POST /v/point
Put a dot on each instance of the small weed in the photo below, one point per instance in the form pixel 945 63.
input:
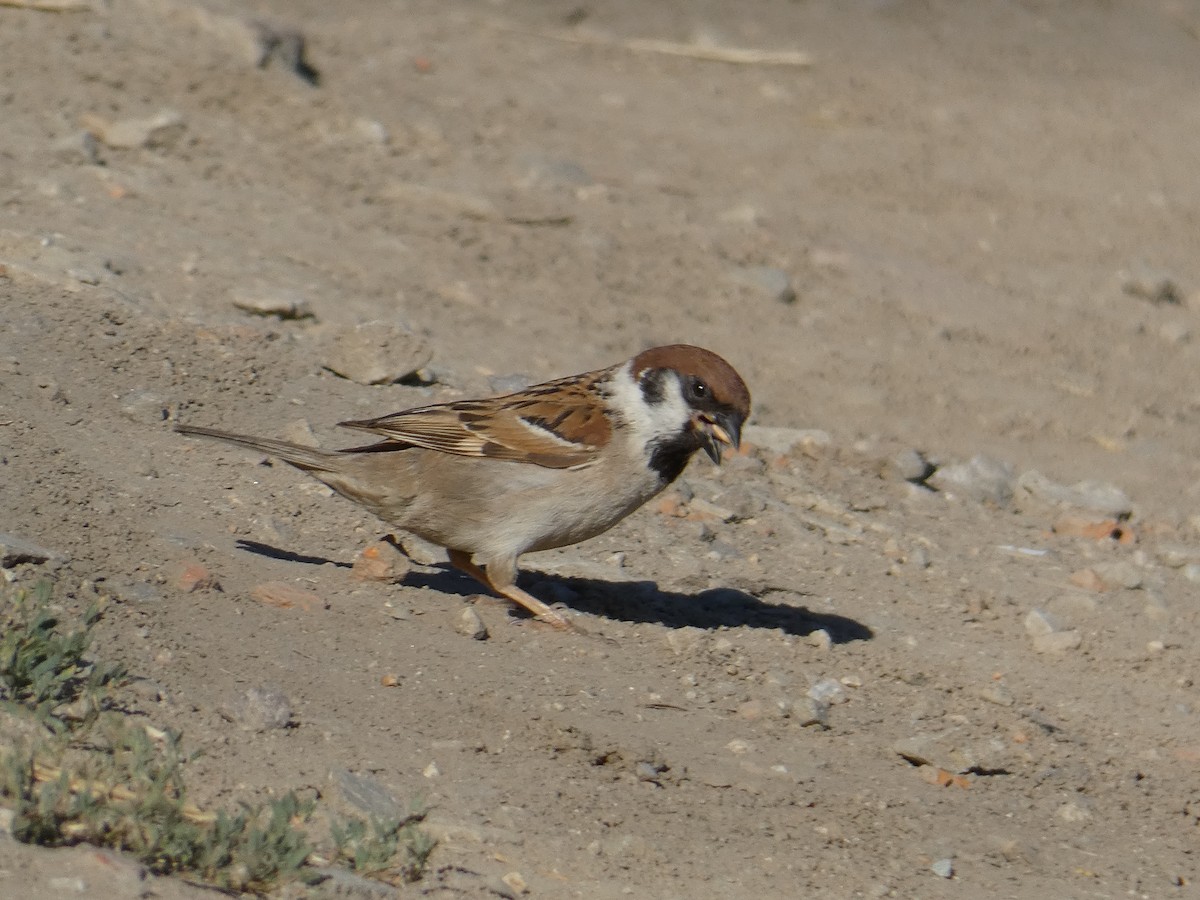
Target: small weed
pixel 95 777
pixel 384 847
pixel 43 669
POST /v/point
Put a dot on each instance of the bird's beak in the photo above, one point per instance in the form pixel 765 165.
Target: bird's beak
pixel 717 429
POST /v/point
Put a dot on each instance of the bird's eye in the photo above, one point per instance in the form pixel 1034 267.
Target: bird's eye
pixel 699 390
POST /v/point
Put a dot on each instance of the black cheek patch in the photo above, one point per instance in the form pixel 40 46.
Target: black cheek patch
pixel 653 386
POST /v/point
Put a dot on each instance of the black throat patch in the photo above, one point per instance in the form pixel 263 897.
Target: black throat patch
pixel 669 457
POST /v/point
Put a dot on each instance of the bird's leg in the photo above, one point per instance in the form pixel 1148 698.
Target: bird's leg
pixel 503 582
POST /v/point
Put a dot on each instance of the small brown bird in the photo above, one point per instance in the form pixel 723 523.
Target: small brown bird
pixel 552 465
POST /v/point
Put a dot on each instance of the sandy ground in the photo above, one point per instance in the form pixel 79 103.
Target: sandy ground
pixel 804 675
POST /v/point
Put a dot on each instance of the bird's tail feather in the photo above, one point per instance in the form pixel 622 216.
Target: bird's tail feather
pixel 308 459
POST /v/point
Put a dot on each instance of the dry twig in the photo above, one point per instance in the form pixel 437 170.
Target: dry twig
pixel 746 56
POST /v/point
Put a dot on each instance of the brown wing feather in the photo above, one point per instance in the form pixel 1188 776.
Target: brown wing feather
pixel 558 425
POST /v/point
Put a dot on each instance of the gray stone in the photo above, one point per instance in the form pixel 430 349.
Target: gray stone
pixel 424 197
pixel 298 431
pixel 1091 495
pixel 80 148
pixel 1175 332
pixel 997 693
pixel 943 868
pixel 1155 285
pixel 158 131
pixel 267 301
pixel 953 751
pixel 649 771
pixel 983 479
pixel 337 882
pixel 1039 622
pixel 143 407
pixel 135 592
pixel 819 638
pixel 1072 606
pixel 1176 556
pixel 1119 573
pixel 367 795
pixel 261 709
pixel 377 353
pixel 785 440
pixel 775 284
pixel 421 551
pixel 744 501
pixel 16 550
pixel 829 692
pixel 911 465
pixel 540 170
pixel 811 713
pixel 509 384
pixel 706 509
pixel 1057 641
pixel 468 623
pixel 1156 609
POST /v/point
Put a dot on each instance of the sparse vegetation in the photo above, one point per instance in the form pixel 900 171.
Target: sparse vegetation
pixel 43 669
pixel 85 773
pixel 383 847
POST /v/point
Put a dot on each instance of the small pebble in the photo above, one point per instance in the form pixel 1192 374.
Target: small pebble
pixel 811 713
pixel 783 441
pixel 647 771
pixel 1155 285
pixel 774 284
pixel 80 148
pixel 911 465
pixel 1039 622
pixel 367 795
pixel 469 624
pixel 15 550
pixel 820 638
pixel 509 384
pixel 377 353
pixel 943 868
pixel 381 561
pixel 158 131
pixel 996 693
pixel 266 301
pixel 261 709
pixel 1097 496
pixel 193 576
pixel 282 595
pixel 828 692
pixel 516 882
pixel 1119 574
pixel 1057 642
pixel 983 479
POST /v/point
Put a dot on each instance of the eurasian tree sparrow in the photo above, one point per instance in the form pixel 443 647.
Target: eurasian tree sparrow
pixel 552 465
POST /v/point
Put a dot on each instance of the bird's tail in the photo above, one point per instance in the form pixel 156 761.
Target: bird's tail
pixel 307 459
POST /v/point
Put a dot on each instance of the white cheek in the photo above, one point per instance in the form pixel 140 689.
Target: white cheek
pixel 647 422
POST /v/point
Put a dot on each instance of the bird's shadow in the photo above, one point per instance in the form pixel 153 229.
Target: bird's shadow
pixel 632 601
pixel 645 602
pixel 287 555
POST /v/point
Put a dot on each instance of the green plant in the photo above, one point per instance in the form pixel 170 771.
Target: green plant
pixel 384 847
pixel 43 669
pixel 99 777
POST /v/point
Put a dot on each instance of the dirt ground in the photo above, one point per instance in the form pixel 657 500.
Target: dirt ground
pixel 967 230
